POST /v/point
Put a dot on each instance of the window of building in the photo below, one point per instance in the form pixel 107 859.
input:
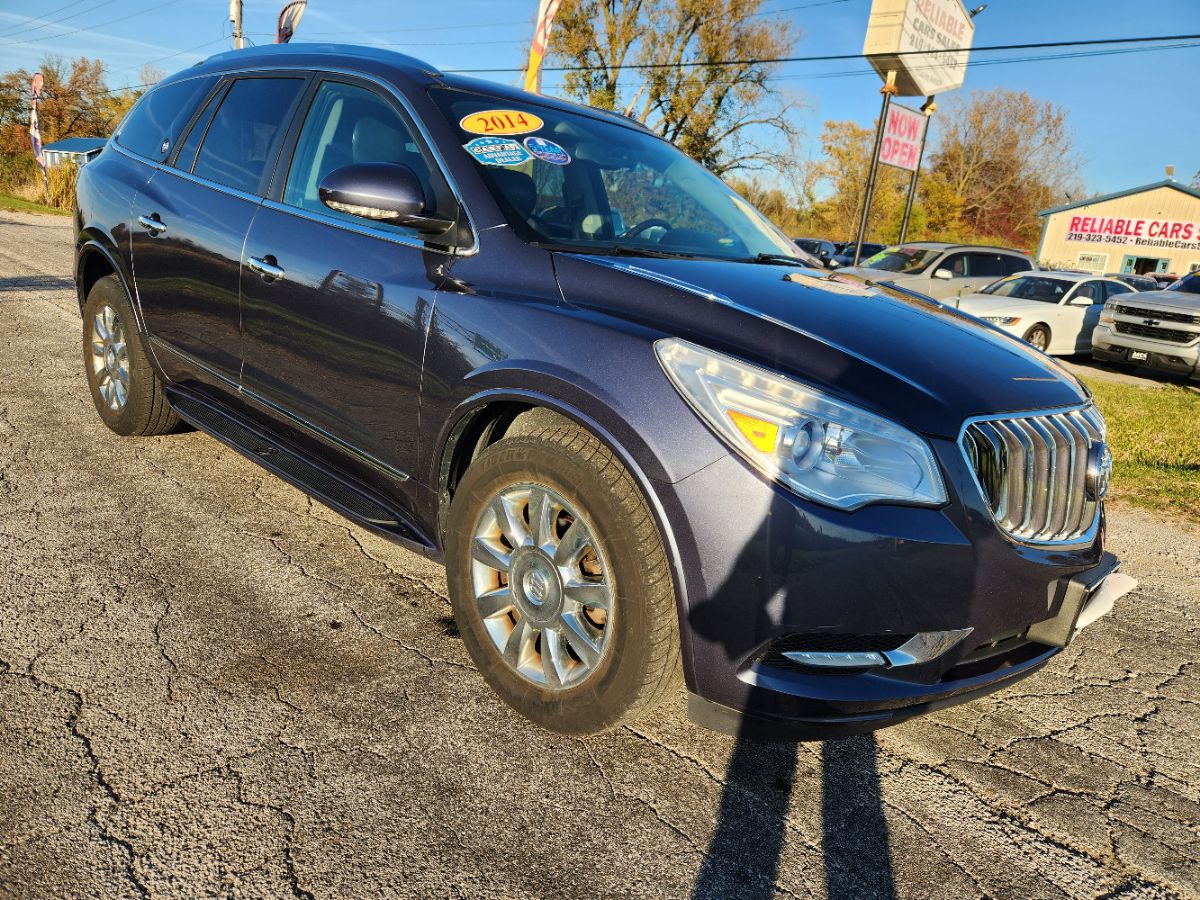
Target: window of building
pixel 1093 262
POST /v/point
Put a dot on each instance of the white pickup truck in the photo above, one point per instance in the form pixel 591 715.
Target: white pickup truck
pixel 1156 329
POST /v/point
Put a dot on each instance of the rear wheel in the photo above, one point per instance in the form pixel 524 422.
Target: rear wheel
pixel 1039 336
pixel 125 388
pixel 559 581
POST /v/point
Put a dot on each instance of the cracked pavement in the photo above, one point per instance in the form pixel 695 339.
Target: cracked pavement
pixel 212 686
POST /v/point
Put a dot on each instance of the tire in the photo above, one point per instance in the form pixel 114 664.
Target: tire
pixel 1039 337
pixel 135 404
pixel 582 482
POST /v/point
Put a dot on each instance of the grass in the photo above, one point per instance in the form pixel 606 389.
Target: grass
pixel 7 201
pixel 1154 433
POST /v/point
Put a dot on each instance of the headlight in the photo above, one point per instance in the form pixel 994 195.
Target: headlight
pixel 1106 314
pixel 820 447
pixel 1002 320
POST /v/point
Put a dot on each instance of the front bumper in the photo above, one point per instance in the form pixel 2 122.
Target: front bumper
pixel 760 565
pixel 1181 359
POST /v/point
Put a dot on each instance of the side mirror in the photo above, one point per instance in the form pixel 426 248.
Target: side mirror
pixel 1081 301
pixel 944 274
pixel 833 263
pixel 383 192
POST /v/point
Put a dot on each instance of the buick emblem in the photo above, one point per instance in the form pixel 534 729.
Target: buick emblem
pixel 1099 471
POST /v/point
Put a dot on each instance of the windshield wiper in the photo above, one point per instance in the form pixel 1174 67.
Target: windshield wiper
pixel 776 259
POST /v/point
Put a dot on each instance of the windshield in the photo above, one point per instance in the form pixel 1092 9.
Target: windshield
pixel 1189 284
pixel 907 260
pixel 1030 287
pixel 569 181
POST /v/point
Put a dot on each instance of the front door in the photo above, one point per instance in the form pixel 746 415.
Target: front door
pixel 190 226
pixel 336 307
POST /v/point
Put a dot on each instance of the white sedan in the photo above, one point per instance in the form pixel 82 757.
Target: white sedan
pixel 1054 311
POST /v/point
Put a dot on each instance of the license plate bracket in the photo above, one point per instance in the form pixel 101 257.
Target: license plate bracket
pixel 1138 356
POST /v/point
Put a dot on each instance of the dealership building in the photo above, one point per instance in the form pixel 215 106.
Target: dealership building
pixel 1150 229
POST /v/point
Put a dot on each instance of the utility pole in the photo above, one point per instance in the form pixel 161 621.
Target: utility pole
pixel 235 16
pixel 929 108
pixel 888 89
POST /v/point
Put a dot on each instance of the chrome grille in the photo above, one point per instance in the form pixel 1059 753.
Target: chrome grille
pixel 1161 334
pixel 1033 472
pixel 1163 315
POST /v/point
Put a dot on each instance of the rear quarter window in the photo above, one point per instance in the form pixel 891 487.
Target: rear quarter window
pixel 1016 264
pixel 154 124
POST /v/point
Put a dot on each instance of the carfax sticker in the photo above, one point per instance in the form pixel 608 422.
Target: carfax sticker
pixel 500 121
pixel 497 151
pixel 547 151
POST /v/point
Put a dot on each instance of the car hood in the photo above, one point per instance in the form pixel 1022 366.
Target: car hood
pixel 903 356
pixel 1178 300
pixel 990 305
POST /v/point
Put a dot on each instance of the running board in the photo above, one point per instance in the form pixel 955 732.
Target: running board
pixel 349 499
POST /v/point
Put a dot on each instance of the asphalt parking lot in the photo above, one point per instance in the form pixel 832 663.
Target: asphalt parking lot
pixel 212 686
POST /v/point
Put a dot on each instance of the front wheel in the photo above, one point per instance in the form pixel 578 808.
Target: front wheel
pixel 560 583
pixel 1039 336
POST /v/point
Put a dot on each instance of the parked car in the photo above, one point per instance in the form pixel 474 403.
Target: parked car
pixel 1053 311
pixel 845 254
pixel 1137 282
pixel 1156 329
pixel 944 271
pixel 1165 278
pixel 818 247
pixel 636 449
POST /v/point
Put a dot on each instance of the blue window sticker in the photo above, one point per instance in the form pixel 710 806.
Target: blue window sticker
pixel 547 151
pixel 497 151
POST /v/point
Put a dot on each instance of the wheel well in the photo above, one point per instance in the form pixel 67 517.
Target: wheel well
pixel 95 266
pixel 476 433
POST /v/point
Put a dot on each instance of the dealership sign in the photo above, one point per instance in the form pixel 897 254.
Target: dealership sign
pixel 901 145
pixel 936 34
pixel 1143 232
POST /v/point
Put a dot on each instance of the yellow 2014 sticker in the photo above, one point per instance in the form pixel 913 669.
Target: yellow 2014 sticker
pixel 500 121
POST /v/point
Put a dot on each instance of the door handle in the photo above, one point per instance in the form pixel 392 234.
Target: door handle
pixel 266 267
pixel 152 224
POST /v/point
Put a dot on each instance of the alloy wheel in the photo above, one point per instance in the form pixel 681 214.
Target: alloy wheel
pixel 110 358
pixel 541 586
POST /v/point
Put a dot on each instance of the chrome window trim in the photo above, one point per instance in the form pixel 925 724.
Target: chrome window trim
pixel 1083 539
pixel 317 217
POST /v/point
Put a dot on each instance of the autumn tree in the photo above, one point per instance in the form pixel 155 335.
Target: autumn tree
pixel 76 102
pixel 998 157
pixel 842 170
pixel 662 62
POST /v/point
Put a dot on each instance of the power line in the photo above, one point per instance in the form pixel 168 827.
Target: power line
pixel 19 32
pixel 19 25
pixel 140 12
pixel 846 56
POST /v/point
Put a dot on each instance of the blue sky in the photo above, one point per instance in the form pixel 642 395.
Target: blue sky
pixel 1131 112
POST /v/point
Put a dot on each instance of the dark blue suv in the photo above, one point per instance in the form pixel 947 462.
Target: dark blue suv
pixel 536 341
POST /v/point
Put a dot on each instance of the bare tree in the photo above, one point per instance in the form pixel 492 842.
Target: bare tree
pixel 729 117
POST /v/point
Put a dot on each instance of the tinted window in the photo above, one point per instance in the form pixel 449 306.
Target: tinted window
pixel 160 116
pixel 1112 289
pixel 1045 289
pixel 245 131
pixel 187 150
pixel 1016 263
pixel 986 265
pixel 345 125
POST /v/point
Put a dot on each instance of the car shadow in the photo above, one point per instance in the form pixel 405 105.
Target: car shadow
pixel 750 836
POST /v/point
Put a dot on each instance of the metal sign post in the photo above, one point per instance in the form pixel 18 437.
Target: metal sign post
pixel 888 89
pixel 929 107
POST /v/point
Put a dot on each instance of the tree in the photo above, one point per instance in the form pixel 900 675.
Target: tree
pixel 729 117
pixel 999 157
pixel 844 167
pixel 76 103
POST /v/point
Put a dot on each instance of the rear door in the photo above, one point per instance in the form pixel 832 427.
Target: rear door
pixel 191 222
pixel 335 337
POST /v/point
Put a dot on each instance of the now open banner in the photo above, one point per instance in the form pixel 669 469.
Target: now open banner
pixel 902 138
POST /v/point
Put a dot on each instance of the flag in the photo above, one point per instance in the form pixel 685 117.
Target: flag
pixel 35 129
pixel 541 38
pixel 289 18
